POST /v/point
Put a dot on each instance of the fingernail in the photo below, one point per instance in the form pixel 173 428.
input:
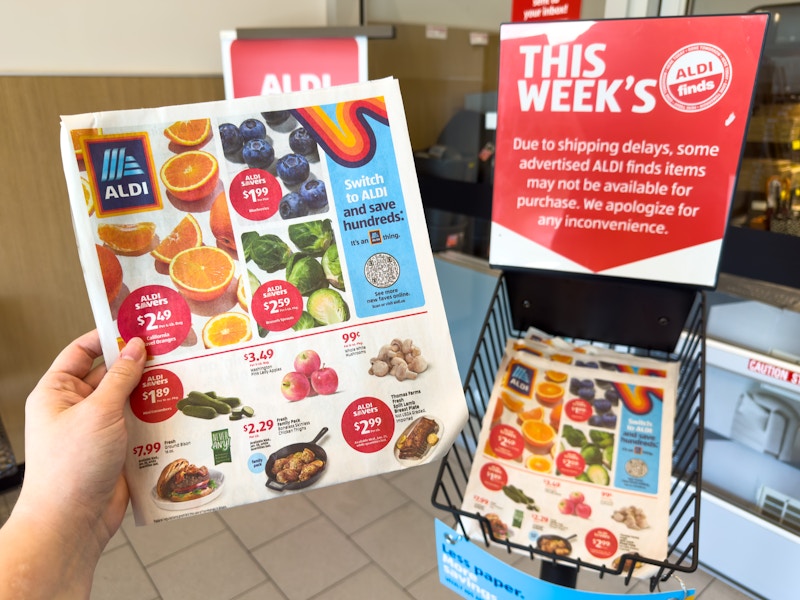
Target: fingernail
pixel 133 350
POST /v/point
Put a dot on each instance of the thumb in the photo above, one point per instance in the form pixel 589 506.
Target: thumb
pixel 124 374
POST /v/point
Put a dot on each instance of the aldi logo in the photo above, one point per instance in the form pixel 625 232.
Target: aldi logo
pixel 520 378
pixel 122 174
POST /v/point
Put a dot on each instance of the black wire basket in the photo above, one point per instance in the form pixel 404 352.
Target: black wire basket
pixel 650 320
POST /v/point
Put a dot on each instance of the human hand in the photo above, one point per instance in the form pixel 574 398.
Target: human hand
pixel 75 443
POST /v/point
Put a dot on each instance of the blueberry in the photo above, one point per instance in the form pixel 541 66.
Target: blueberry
pixel 596 421
pixel 253 129
pixel 587 393
pixel 314 194
pixel 292 206
pixel 612 396
pixel 275 117
pixel 602 405
pixel 609 420
pixel 292 168
pixel 301 142
pixel 231 139
pixel 258 154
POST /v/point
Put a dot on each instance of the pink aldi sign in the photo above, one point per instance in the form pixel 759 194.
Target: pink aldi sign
pixel 618 144
pixel 545 10
pixel 257 67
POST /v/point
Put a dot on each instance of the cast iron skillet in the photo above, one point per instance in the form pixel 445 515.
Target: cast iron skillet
pixel 273 484
pixel 566 541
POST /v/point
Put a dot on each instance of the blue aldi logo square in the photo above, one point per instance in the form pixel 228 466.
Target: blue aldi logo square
pixel 121 171
pixel 520 378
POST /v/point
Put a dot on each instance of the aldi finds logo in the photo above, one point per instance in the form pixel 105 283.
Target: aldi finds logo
pixel 520 379
pixel 122 174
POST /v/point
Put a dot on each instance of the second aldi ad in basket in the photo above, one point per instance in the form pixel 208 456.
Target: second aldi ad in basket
pixel 574 454
pixel 272 253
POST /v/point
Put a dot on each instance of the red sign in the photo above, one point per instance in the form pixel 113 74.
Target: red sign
pixel 618 143
pixel 278 66
pixel 545 10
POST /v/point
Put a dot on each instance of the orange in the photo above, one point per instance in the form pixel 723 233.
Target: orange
pixel 511 403
pixel 241 293
pixel 77 135
pixel 538 434
pixel 498 411
pixel 202 273
pixel 111 270
pixel 220 221
pixel 130 239
pixel 534 414
pixel 540 464
pixel 191 175
pixel 187 234
pixel 189 133
pixel 555 415
pixel 225 329
pixel 562 358
pixel 549 393
pixel 87 195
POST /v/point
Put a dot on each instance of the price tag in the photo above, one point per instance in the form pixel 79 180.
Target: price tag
pixel 368 424
pixel 255 194
pixel 147 449
pixel 157 314
pixel 257 427
pixel 277 305
pixel 155 398
pixel 259 356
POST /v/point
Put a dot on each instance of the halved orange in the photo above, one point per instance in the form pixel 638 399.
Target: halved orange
pixel 191 175
pixel 187 234
pixel 202 273
pixel 538 434
pixel 225 329
pixel 540 464
pixel 498 411
pixel 130 239
pixel 241 293
pixel 189 133
pixel 549 393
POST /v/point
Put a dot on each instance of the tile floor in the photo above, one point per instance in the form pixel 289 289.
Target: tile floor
pixel 368 539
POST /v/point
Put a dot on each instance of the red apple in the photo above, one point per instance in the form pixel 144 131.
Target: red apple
pixel 307 362
pixel 324 380
pixel 583 510
pixel 577 497
pixel 295 386
pixel 566 507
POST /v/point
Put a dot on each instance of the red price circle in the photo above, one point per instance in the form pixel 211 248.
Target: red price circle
pixel 367 425
pixel 157 314
pixel 255 194
pixel 506 442
pixel 570 463
pixel 578 410
pixel 601 543
pixel 155 398
pixel 277 305
pixel 493 477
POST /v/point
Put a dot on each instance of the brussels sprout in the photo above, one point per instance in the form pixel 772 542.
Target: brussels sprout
pixel 328 307
pixel 598 474
pixel 575 437
pixel 332 267
pixel 305 273
pixel 592 454
pixel 603 439
pixel 312 237
pixel 268 252
pixel 306 321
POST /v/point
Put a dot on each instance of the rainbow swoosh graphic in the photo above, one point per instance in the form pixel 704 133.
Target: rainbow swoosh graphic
pixel 348 139
pixel 634 370
pixel 638 399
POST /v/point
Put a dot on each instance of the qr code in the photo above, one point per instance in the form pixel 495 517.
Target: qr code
pixel 382 270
